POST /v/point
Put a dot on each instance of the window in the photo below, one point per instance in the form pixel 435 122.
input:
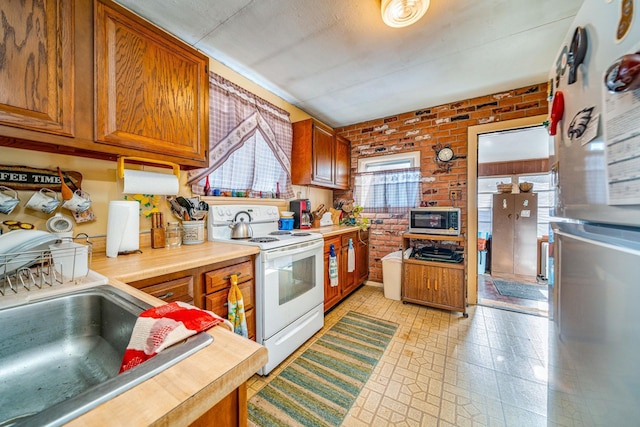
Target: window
pixel 546 196
pixel 541 185
pixel 388 183
pixel 486 190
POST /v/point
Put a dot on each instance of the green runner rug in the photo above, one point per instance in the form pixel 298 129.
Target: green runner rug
pixel 319 387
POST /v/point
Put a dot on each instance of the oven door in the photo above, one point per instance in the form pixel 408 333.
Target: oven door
pixel 293 284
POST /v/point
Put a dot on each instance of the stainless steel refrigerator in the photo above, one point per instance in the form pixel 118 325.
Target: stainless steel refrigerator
pixel 594 333
pixel 514 232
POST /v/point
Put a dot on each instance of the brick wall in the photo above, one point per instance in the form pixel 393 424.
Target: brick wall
pixel 422 130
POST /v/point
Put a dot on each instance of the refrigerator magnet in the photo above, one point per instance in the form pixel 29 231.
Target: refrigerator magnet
pixel 577 53
pixel 557 112
pixel 584 126
pixel 626 16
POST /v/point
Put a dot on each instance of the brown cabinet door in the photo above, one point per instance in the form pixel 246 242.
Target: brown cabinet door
pixel 323 156
pixel 217 301
pixel 342 163
pixel 348 282
pixel 448 287
pixel 331 293
pixel 362 256
pixel 415 285
pixel 151 89
pixel 37 66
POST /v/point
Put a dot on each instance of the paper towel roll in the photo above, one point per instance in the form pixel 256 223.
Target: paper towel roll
pixel 123 227
pixel 141 182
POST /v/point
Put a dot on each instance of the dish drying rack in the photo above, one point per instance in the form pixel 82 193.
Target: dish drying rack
pixel 40 270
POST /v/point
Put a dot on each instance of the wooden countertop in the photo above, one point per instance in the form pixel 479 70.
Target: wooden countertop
pixel 156 262
pixel 180 394
pixel 183 392
pixel 334 230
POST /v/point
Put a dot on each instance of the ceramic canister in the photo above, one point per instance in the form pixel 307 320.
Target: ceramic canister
pixel 192 232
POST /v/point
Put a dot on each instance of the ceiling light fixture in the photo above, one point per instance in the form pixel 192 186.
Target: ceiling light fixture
pixel 402 13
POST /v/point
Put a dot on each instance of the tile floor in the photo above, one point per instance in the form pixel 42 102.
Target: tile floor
pixel 441 369
pixel 488 295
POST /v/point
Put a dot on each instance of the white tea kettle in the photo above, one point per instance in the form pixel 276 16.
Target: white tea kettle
pixel 241 229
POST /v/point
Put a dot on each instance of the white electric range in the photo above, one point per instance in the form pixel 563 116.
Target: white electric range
pixel 289 277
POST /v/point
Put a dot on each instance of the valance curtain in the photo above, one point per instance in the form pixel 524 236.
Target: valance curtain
pixel 250 143
pixel 391 191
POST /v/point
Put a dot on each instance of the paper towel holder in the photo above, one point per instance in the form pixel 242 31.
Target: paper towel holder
pixel 121 159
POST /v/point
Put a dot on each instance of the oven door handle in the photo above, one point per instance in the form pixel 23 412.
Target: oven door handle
pixel 288 251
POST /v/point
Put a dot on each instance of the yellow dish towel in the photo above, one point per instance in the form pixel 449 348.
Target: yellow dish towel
pixel 236 308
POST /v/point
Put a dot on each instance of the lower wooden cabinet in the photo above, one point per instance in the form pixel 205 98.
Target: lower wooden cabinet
pixel 230 411
pixel 441 287
pixel 435 284
pixel 331 293
pixel 208 287
pixel 171 287
pixel 348 281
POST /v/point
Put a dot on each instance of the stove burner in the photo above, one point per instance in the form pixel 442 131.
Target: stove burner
pixel 263 240
pixel 279 233
pixel 301 234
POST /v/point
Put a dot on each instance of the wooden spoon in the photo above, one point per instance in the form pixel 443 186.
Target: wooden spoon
pixel 67 194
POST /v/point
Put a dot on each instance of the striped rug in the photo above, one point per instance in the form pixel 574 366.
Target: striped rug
pixel 319 387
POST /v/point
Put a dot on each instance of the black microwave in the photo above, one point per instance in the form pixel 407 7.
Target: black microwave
pixel 435 220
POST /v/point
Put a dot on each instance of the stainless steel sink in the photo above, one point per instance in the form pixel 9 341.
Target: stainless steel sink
pixel 60 356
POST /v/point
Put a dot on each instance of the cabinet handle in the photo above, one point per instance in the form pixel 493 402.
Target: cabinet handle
pixel 226 304
pixel 229 276
pixel 428 284
pixel 167 295
pixel 435 285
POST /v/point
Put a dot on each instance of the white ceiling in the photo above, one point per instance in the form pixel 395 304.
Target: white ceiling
pixel 337 61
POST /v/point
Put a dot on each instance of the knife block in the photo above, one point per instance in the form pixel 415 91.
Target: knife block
pixel 157 238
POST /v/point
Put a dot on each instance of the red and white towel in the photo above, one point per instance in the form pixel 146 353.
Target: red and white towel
pixel 160 327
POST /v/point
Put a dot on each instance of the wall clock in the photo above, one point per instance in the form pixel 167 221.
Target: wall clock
pixel 444 156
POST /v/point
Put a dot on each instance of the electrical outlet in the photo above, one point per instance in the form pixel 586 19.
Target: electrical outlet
pixel 455 194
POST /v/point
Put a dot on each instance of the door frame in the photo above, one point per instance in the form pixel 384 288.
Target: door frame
pixel 472 191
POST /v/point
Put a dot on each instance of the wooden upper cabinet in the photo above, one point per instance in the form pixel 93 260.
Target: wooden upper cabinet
pixel 319 158
pixel 343 162
pixel 322 154
pixel 37 66
pixel 151 89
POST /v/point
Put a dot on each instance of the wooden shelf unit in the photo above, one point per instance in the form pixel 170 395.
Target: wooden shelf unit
pixel 431 283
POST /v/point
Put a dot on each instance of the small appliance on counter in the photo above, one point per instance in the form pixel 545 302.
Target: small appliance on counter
pixel 301 209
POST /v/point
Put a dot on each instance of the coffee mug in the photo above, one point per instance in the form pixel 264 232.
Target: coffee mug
pixel 43 203
pixel 79 202
pixel 285 224
pixel 7 202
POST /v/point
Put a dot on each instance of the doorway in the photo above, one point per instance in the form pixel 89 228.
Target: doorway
pixel 515 196
pixel 494 158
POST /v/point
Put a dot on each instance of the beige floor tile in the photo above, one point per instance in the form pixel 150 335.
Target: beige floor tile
pixel 442 369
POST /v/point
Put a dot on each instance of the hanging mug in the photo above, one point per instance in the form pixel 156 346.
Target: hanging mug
pixel 79 202
pixel 40 201
pixel 8 202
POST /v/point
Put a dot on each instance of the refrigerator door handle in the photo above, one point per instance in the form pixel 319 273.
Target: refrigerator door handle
pixel 618 247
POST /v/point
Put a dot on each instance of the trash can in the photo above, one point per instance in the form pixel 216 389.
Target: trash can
pixel 391 274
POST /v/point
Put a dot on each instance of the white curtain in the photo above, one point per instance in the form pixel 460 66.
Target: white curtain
pixel 249 143
pixel 388 191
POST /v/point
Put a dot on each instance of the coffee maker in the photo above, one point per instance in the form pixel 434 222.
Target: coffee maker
pixel 301 209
